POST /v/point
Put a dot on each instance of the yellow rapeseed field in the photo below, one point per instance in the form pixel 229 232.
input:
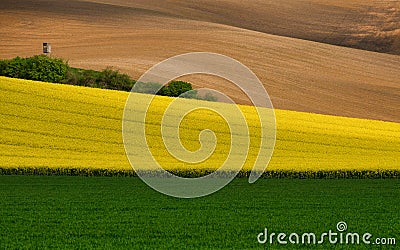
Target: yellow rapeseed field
pixel 56 126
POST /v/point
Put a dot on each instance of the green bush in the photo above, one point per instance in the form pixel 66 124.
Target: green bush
pixel 106 79
pixel 175 88
pixel 16 68
pixel 3 66
pixel 39 68
pixel 110 79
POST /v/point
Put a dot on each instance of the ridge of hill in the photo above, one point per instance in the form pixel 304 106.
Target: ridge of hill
pixel 363 24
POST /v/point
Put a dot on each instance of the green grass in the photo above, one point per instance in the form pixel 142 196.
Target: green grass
pixel 122 212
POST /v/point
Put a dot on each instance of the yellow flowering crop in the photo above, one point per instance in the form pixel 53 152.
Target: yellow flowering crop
pixel 54 125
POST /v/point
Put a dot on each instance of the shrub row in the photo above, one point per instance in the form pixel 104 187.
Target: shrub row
pixel 337 174
pixel 106 79
pixel 55 70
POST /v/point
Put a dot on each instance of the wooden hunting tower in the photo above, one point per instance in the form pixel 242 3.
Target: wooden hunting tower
pixel 46 48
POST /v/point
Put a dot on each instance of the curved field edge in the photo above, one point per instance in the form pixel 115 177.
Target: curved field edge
pixel 67 127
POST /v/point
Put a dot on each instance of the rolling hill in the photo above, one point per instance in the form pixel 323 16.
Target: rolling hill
pixel 58 126
pixel 364 24
pixel 299 74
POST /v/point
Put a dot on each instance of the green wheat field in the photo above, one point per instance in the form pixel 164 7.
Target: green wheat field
pixel 69 212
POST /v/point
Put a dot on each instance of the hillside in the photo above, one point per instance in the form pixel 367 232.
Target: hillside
pixel 47 125
pixel 363 24
pixel 299 75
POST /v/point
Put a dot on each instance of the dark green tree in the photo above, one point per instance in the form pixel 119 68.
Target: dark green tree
pixel 175 88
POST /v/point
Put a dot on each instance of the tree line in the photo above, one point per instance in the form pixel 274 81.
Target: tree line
pixel 56 70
